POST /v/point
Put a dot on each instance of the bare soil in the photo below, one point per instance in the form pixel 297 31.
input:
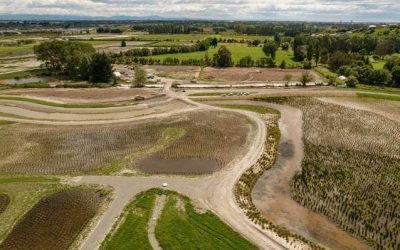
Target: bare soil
pixel 152 165
pixel 251 74
pixel 84 95
pixel 177 72
pixel 4 201
pixel 55 221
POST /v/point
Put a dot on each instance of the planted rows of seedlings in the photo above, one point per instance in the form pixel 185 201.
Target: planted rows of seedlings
pixel 70 149
pixel 246 183
pixel 209 138
pixel 351 170
pixel 55 221
pixel 85 149
pixel 4 201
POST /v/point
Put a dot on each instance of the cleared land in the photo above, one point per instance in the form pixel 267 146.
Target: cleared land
pixel 83 149
pixel 176 72
pixel 180 226
pixel 23 193
pixel 84 95
pixel 206 146
pixel 23 110
pixel 350 171
pixel 55 221
pixel 4 201
pixel 250 74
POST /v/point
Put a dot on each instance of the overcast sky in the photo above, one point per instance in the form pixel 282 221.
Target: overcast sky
pixel 308 10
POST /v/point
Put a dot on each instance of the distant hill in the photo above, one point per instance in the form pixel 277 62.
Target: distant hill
pixel 33 17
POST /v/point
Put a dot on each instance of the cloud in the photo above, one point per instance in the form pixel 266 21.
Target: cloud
pixel 307 10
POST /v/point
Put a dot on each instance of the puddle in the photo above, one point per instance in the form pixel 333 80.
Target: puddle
pixel 152 165
pixel 27 80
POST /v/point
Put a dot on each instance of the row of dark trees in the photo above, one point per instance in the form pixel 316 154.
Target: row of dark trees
pixel 168 28
pixel 75 60
pixel 202 45
pixel 109 30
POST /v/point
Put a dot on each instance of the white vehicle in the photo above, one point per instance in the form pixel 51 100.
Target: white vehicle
pixel 165 184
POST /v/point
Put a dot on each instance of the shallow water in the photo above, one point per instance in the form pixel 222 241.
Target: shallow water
pixel 27 80
pixel 153 165
pixel 272 196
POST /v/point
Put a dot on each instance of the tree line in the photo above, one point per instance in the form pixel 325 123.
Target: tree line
pixel 75 60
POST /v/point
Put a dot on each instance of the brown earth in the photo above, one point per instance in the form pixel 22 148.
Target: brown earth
pixel 55 221
pixel 4 201
pixel 177 72
pixel 251 74
pixel 84 95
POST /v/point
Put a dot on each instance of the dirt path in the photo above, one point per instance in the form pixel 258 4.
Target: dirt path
pixel 159 205
pixel 272 196
pixel 214 192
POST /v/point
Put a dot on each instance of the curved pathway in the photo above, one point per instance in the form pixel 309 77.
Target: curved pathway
pixel 214 192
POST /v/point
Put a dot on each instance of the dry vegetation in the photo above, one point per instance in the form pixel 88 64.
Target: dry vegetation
pixel 209 143
pixel 83 149
pixel 246 183
pixel 351 172
pixel 250 74
pixel 55 221
pixel 84 95
pixel 177 72
pixel 70 149
pixel 4 201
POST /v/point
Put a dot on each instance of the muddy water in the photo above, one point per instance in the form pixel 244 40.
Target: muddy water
pixel 272 197
pixel 153 165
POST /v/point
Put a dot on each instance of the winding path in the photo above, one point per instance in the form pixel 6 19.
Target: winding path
pixel 214 192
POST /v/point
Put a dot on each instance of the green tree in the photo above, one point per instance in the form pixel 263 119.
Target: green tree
pixel 396 76
pixel 246 61
pixel 283 65
pixel 123 43
pixel 269 49
pixel 214 42
pixel 66 58
pixel 223 58
pixel 100 69
pixel 140 76
pixel 305 78
pixel 287 78
pixel 352 82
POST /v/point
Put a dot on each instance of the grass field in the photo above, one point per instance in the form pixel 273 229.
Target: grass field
pixel 258 109
pixel 55 104
pixel 23 192
pixel 6 51
pixel 380 97
pixel 238 51
pixel 130 232
pixel 55 221
pixel 196 37
pixel 3 123
pixel 378 64
pixel 20 74
pixel 179 227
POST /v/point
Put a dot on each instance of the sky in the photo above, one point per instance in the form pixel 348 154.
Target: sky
pixel 270 10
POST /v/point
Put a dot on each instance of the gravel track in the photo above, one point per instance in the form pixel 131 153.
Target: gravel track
pixel 214 192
